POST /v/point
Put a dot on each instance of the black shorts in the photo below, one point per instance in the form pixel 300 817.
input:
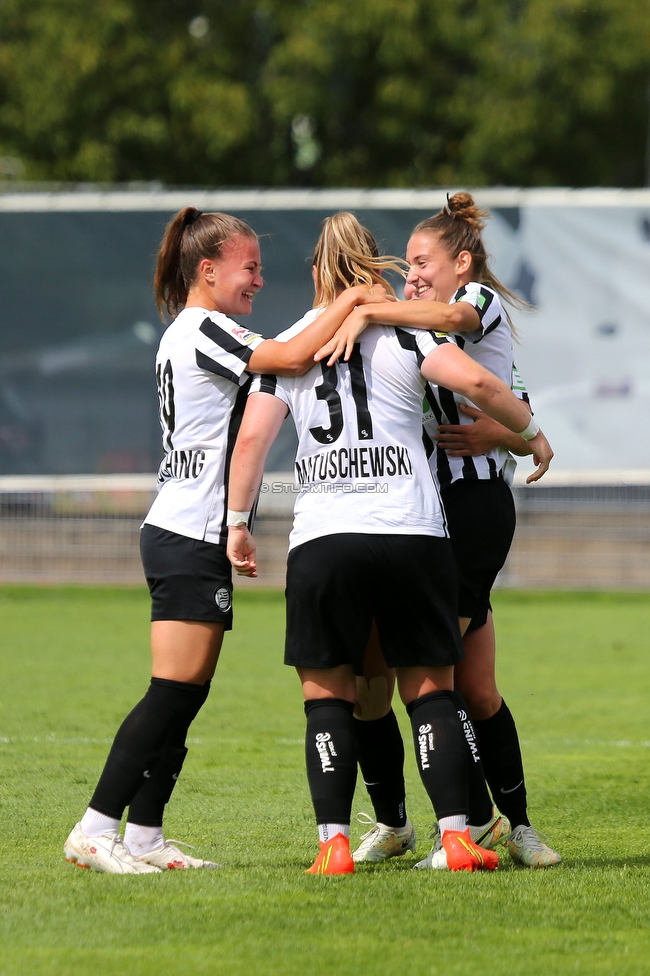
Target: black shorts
pixel 188 579
pixel 336 585
pixel 481 519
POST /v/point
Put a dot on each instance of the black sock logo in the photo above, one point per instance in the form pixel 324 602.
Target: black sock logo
pixel 325 749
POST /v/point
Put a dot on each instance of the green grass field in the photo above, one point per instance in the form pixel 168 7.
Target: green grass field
pixel 574 669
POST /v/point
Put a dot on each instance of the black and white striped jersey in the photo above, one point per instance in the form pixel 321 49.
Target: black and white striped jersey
pixel 491 346
pixel 202 386
pixel 361 465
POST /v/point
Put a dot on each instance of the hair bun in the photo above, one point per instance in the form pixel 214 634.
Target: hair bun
pixel 463 206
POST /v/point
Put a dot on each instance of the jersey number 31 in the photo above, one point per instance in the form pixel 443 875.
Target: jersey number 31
pixel 327 391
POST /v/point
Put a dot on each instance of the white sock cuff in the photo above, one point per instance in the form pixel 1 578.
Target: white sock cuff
pixel 94 823
pixel 328 830
pixel 142 840
pixel 453 823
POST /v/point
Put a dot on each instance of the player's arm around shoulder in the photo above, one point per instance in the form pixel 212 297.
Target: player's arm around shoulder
pixel 449 366
pixel 429 316
pixel 296 356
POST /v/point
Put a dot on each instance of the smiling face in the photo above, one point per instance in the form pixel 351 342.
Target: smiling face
pixel 433 273
pixel 236 277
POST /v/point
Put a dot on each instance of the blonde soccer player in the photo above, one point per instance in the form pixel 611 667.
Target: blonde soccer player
pixel 369 542
pixel 454 291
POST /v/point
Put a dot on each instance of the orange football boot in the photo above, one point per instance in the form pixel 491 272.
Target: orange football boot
pixel 334 857
pixel 464 855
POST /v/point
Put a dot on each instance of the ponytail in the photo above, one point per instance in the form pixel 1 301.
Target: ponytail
pixel 458 227
pixel 346 254
pixel 189 237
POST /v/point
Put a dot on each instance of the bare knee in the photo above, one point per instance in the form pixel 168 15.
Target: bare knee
pixel 373 698
pixel 483 701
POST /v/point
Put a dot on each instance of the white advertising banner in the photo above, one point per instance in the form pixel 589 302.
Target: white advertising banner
pixel 584 353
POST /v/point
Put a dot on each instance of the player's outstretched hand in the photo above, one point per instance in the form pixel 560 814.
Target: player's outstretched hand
pixel 470 440
pixel 241 550
pixel 542 456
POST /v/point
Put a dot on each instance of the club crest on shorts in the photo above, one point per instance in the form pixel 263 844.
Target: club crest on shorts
pixel 222 598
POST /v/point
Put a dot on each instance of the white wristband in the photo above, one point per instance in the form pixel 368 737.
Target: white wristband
pixel 531 431
pixel 237 518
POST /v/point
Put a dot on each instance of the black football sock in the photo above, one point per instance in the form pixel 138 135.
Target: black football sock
pixel 380 752
pixel 139 739
pixel 331 758
pixel 148 805
pixel 441 752
pixel 480 802
pixel 498 743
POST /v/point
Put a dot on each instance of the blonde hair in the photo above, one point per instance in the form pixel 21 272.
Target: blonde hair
pixel 346 254
pixel 189 237
pixel 458 227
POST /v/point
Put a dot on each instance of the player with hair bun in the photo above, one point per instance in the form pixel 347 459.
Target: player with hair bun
pixel 454 291
pixel 369 542
pixel 208 269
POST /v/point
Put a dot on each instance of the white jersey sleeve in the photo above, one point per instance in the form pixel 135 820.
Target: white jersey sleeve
pixel 488 305
pixel 269 384
pixel 224 348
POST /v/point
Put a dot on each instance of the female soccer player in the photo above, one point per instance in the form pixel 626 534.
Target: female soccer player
pixel 208 268
pixel 369 542
pixel 455 291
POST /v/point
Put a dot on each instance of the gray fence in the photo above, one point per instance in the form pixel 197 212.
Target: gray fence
pixel 85 530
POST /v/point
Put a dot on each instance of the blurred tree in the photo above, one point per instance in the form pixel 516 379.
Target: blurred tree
pixel 325 92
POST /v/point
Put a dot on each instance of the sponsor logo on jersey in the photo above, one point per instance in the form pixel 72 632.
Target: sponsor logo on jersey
pixel 426 744
pixel 357 462
pixel 325 749
pixel 244 335
pixel 222 598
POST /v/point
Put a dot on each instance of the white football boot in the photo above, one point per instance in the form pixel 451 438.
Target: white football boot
pixel 170 858
pixel 526 847
pixel 107 853
pixel 382 842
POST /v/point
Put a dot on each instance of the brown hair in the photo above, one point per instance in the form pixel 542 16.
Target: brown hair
pixel 346 254
pixel 189 237
pixel 458 227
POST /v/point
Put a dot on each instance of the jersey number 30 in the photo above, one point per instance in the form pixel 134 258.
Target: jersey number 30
pixel 165 382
